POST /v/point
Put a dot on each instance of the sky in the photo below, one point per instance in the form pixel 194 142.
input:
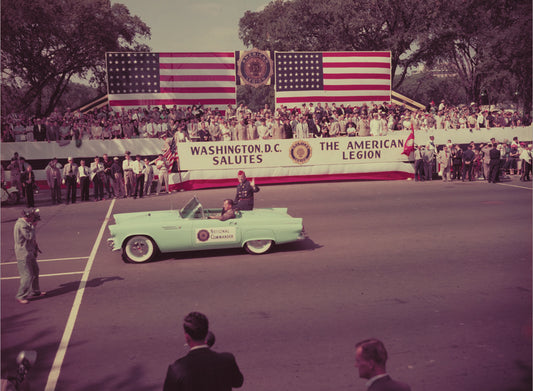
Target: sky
pixel 193 25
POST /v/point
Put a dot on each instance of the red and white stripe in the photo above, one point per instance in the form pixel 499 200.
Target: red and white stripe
pixel 350 78
pixel 188 79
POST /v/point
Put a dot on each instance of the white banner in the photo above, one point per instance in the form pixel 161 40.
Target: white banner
pixel 291 152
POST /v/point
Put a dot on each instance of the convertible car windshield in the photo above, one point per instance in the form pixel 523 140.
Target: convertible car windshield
pixel 188 211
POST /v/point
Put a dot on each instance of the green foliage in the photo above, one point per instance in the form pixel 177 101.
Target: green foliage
pixel 46 43
pixel 75 95
pixel 425 87
pixel 487 43
pixel 255 98
pixel 330 25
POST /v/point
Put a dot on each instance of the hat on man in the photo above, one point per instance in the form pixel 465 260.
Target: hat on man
pixel 31 213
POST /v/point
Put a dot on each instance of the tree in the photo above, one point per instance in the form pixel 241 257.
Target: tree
pixel 510 48
pixel 255 98
pixel 46 43
pixel 488 44
pixel 425 87
pixel 336 25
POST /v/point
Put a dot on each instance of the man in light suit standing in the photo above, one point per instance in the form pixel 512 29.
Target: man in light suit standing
pixel 444 159
pixel 70 176
pixel 129 177
pixel 97 176
pixel 302 129
pixel 202 369
pixel 370 360
pixel 83 180
pixel 53 177
pixel 138 171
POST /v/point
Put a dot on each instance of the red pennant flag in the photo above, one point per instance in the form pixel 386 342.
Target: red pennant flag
pixel 409 145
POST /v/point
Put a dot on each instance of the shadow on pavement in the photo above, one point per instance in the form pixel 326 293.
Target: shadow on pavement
pixel 45 350
pixel 123 380
pixel 74 285
pixel 303 245
pixel 526 383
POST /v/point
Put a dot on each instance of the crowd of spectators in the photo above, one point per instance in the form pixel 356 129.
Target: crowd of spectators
pixel 196 123
pixel 453 162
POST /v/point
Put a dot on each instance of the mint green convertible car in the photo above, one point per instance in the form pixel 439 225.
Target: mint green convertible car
pixel 141 235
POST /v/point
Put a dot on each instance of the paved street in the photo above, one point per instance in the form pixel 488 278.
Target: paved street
pixel 440 272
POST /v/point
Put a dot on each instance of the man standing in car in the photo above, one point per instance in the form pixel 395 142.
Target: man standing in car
pixel 244 199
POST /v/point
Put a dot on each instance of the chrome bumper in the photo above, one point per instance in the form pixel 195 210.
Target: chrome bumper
pixel 111 244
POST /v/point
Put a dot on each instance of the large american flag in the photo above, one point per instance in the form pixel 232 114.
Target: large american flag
pixel 348 78
pixel 183 79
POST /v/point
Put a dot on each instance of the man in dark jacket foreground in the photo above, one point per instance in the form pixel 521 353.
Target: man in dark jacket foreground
pixel 202 369
pixel 370 360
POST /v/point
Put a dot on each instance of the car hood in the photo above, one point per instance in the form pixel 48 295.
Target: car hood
pixel 139 217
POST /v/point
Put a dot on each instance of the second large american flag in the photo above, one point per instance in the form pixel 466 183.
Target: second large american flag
pixel 349 78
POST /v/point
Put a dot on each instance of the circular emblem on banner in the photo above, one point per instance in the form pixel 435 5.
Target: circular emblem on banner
pixel 255 68
pixel 203 235
pixel 300 152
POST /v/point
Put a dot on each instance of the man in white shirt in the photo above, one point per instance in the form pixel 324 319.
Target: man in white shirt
pixel 335 128
pixel 376 126
pixel 302 129
pixel 148 176
pixel 129 177
pixel 151 129
pixel 97 176
pixel 83 180
pixel 138 172
pixel 160 128
pixel 525 156
pixel 214 130
pixel 240 130
pixel 70 174
pixel 162 173
pixel 262 130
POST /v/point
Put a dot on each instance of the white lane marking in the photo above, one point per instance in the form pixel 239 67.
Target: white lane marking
pixel 67 334
pixel 42 275
pixel 48 260
pixel 520 187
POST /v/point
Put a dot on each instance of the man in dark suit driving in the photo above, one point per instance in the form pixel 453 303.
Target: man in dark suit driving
pixel 202 369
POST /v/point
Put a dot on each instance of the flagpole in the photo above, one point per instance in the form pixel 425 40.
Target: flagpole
pixel 179 173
